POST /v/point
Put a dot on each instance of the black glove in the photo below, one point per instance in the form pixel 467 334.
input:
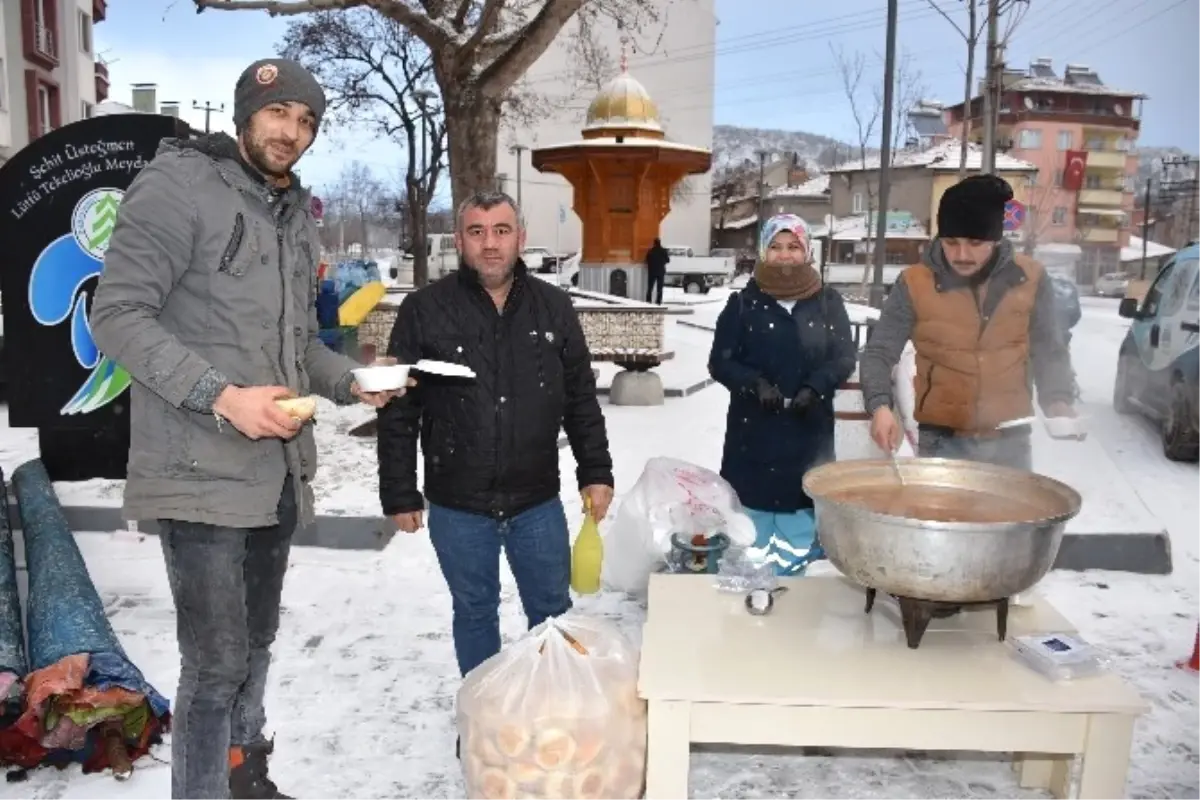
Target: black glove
pixel 769 395
pixel 804 401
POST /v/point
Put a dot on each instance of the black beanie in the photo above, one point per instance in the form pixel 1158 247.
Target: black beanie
pixel 275 80
pixel 974 209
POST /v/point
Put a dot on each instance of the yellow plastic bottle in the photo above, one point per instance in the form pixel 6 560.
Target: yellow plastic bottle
pixel 587 556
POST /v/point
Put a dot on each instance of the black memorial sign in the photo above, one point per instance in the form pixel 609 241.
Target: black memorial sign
pixel 58 203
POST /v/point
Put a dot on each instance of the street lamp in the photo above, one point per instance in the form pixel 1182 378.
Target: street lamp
pixel 423 96
pixel 516 150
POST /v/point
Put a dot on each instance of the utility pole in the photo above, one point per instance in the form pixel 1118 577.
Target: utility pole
pixel 209 109
pixel 885 154
pixel 1146 209
pixel 516 150
pixel 991 87
pixel 762 170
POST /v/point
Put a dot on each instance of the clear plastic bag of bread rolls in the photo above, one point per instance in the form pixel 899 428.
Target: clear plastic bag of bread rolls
pixel 555 715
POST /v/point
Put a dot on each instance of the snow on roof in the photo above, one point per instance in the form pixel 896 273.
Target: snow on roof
pixel 1133 252
pixel 813 187
pixel 1048 84
pixel 857 229
pixel 942 156
pixel 744 222
pixel 731 200
pixel 112 107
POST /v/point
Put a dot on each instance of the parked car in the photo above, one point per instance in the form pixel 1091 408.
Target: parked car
pixel 1112 284
pixel 1158 367
pixel 697 274
pixel 538 259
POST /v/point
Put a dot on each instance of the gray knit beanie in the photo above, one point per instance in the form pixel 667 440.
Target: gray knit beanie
pixel 275 80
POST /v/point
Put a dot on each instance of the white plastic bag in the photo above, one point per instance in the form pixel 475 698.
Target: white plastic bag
pixel 904 390
pixel 555 715
pixel 671 496
pixel 854 437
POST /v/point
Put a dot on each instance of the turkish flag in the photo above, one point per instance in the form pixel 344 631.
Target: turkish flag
pixel 1073 172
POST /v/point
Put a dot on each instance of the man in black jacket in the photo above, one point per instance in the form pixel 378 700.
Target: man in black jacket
pixel 657 258
pixel 491 442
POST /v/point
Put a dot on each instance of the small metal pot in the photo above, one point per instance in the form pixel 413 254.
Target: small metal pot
pixel 698 558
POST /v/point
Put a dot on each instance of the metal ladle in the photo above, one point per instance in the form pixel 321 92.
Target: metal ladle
pixel 896 468
pixel 759 602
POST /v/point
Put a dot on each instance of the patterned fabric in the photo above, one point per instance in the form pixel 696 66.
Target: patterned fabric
pixel 783 222
pixel 787 541
pixel 785 279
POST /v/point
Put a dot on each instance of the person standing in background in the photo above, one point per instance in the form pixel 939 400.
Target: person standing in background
pixel 657 258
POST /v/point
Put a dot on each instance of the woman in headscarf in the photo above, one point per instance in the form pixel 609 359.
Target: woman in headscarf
pixel 782 347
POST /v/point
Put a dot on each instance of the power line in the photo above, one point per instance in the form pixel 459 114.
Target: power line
pixel 1126 30
pixel 765 40
pixel 1093 15
pixel 776 96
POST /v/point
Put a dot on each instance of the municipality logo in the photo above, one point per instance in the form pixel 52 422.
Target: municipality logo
pixel 56 295
pixel 93 220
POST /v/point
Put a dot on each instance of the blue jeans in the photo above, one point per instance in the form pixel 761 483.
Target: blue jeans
pixel 538 547
pixel 227 584
pixel 1011 449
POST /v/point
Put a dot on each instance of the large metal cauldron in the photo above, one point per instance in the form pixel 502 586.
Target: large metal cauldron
pixel 951 562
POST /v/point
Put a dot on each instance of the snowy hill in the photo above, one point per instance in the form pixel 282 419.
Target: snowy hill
pixel 734 146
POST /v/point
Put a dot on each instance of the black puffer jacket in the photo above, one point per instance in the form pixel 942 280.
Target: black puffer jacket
pixel 490 443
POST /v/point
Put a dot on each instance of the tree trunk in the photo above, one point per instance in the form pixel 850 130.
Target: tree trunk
pixel 472 134
pixel 968 92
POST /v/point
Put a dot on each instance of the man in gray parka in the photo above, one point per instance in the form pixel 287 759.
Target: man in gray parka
pixel 207 298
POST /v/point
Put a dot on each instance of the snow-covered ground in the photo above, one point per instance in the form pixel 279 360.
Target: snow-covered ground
pixel 364 680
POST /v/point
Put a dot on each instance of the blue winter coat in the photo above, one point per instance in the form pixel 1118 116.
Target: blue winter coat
pixel 767 453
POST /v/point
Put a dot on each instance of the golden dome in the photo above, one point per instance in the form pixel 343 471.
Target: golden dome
pixel 623 103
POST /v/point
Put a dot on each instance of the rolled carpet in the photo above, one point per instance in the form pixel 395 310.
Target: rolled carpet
pixel 13 664
pixel 84 701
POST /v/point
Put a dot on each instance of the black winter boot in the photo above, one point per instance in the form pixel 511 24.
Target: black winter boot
pixel 248 778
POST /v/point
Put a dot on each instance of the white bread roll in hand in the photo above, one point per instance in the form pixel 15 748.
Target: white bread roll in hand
pixel 301 408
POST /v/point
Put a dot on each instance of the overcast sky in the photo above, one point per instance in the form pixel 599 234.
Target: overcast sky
pixel 774 68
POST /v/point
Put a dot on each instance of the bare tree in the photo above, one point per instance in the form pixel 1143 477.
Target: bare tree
pixel 910 88
pixel 378 75
pixel 352 203
pixel 866 106
pixel 480 49
pixel 970 35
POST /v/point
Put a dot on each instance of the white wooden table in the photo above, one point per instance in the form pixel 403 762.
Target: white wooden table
pixel 818 672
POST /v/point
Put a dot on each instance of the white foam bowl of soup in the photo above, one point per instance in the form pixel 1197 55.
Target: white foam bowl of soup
pixel 382 378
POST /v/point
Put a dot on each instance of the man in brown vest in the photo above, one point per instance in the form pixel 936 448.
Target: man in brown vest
pixel 982 320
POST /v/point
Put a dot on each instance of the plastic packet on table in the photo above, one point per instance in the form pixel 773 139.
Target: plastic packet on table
pixel 670 497
pixel 744 569
pixel 1058 656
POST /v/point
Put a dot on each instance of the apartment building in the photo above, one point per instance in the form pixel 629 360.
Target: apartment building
pixel 1081 135
pixel 49 74
pixel 673 57
pixel 917 179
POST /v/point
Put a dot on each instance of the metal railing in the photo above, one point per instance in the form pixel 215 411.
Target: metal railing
pixel 43 41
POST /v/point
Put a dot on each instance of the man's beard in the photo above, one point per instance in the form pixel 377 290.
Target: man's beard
pixel 256 154
pixel 492 280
